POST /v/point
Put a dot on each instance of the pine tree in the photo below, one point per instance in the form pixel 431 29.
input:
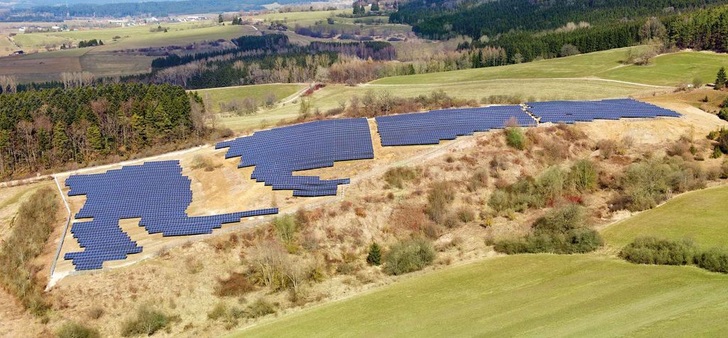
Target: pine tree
pixel 720 81
pixel 375 254
pixel 220 19
pixel 93 135
pixel 61 142
pixel 375 7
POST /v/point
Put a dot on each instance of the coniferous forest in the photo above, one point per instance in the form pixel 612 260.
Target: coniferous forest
pixel 531 29
pixel 46 128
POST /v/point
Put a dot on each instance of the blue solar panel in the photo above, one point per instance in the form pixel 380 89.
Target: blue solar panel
pixel 277 153
pixel 156 192
pixel 433 126
pixel 585 111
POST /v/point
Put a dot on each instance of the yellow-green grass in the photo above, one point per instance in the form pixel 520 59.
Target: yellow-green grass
pixel 136 36
pixel 671 69
pixel 332 96
pixel 6 47
pixel 666 70
pixel 215 96
pixel 301 18
pixel 525 295
pixel 698 215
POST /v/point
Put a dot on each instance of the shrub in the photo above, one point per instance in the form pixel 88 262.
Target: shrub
pixel 551 185
pixel 560 231
pixel 286 227
pixel 439 197
pixel 584 176
pixel 465 215
pixel 478 180
pixel 220 310
pixel 515 138
pixel 204 162
pixel 650 250
pixel 646 184
pixel 408 256
pixel 236 285
pixel 713 260
pixel 396 177
pixel 76 330
pixel 501 99
pixel 146 322
pixel 607 148
pixel 259 308
pixel 375 254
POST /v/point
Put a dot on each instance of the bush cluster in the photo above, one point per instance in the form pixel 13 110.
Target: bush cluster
pixel 396 177
pixel 646 184
pixel 515 138
pixel 502 99
pixel 76 330
pixel 146 322
pixel 408 256
pixel 439 198
pixel 236 285
pixel 651 250
pixel 561 231
pixel 551 186
pixel 31 229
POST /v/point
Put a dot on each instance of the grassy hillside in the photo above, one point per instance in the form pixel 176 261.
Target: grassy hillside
pixel 528 295
pixel 537 89
pixel 666 70
pixel 257 92
pixel 698 215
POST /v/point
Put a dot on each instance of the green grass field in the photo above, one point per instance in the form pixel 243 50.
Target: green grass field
pixel 697 215
pixel 258 92
pixel 666 70
pixel 530 89
pixel 300 18
pixel 525 295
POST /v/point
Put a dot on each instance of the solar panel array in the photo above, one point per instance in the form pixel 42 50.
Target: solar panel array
pixel 156 192
pixel 585 111
pixel 277 153
pixel 433 126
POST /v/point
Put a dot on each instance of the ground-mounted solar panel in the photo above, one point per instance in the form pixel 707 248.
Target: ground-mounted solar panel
pixel 277 153
pixel 585 111
pixel 155 192
pixel 447 124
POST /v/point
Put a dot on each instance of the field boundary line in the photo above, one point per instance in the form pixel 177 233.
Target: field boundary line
pixel 63 234
pixel 587 78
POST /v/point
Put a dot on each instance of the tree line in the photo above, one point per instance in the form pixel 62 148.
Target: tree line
pixel 526 37
pixel 49 128
pixel 437 19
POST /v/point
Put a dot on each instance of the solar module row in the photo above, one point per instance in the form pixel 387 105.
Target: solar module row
pixel 585 111
pixel 277 153
pixel 155 192
pixel 437 125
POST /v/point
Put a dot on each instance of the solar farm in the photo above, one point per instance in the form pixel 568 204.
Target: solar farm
pixel 277 153
pixel 586 111
pixel 158 194
pixel 438 125
pixel 155 192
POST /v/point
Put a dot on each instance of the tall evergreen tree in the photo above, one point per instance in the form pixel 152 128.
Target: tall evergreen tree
pixel 720 80
pixel 375 254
